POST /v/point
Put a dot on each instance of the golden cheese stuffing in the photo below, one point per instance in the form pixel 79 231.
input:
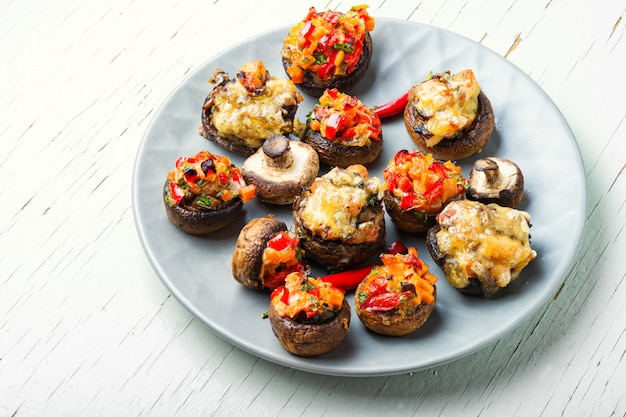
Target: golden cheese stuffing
pixel 449 103
pixel 488 242
pixel 339 205
pixel 253 116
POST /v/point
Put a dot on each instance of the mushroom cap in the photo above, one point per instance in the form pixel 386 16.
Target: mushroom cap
pixel 335 254
pixel 474 286
pixel 466 142
pixel 396 322
pixel 496 180
pixel 335 153
pixel 248 255
pixel 237 145
pixel 410 221
pixel 280 169
pixel 201 222
pixel 315 86
pixel 313 339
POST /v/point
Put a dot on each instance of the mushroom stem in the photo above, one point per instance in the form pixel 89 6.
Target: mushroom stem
pixel 491 171
pixel 277 152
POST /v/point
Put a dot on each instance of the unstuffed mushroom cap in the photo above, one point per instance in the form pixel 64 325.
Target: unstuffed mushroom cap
pixel 280 169
pixel 248 255
pixel 496 180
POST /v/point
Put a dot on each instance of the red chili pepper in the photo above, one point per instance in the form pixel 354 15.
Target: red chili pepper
pixel 348 280
pixel 393 107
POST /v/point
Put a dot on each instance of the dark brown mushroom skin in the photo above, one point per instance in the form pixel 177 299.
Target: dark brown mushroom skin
pixel 208 130
pixel 200 222
pixel 248 254
pixel 466 142
pixel 474 287
pixel 310 339
pixel 335 254
pixel 314 86
pixel 488 184
pixel 335 153
pixel 398 322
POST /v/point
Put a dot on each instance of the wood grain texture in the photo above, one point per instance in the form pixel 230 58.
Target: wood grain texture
pixel 86 327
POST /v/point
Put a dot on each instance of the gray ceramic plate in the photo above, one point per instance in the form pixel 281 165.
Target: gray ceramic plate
pixel 529 130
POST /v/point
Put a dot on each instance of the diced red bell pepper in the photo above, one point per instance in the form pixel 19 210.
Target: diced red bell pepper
pixel 384 302
pixel 283 292
pixel 395 248
pixel 332 125
pixel 176 193
pixel 407 201
pixel 280 241
pixel 326 70
pixel 315 292
pixel 307 29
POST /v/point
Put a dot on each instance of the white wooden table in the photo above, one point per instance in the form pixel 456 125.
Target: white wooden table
pixel 86 326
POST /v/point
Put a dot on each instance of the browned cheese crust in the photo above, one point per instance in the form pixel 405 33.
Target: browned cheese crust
pixel 334 254
pixel 209 131
pixel 474 287
pixel 466 142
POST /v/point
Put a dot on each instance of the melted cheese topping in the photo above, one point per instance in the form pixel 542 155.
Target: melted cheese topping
pixel 236 113
pixel 448 102
pixel 488 242
pixel 339 206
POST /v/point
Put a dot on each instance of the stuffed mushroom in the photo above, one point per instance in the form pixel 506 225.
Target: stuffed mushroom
pixel 343 130
pixel 340 217
pixel 329 50
pixel 396 298
pixel 449 116
pixel 481 248
pixel 240 114
pixel 265 253
pixel 309 317
pixel 417 188
pixel 205 193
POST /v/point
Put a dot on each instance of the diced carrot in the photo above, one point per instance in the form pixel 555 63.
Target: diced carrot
pixel 247 193
pixel 314 124
pixel 296 74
